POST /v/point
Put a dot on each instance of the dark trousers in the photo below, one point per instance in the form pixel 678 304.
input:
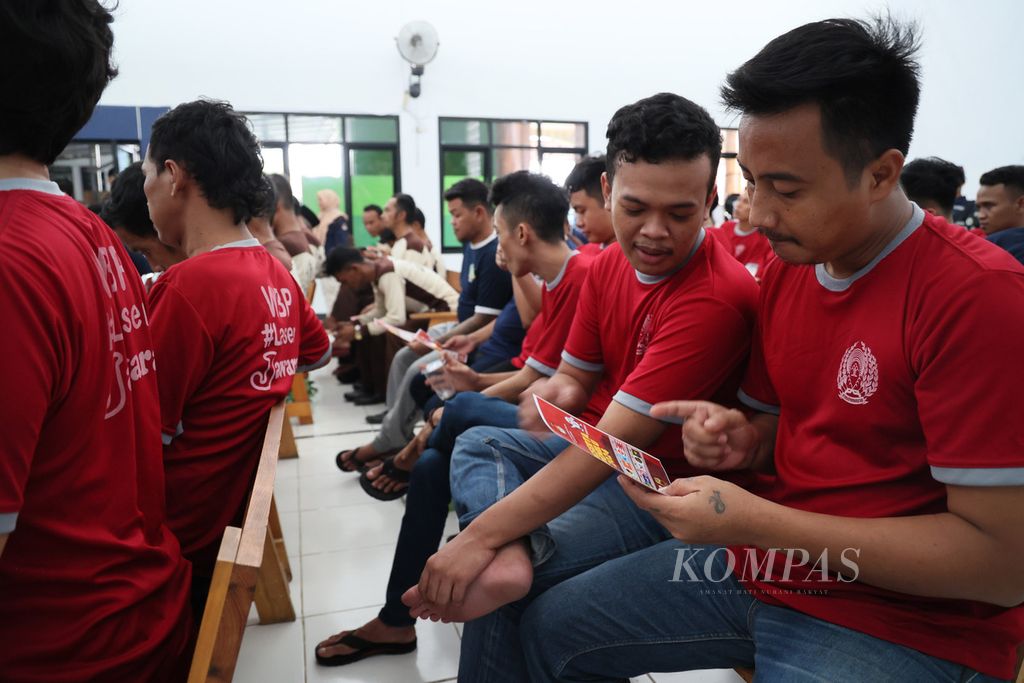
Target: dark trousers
pixel 426 503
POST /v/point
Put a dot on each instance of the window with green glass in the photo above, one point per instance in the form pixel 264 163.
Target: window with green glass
pixel 490 148
pixel 355 156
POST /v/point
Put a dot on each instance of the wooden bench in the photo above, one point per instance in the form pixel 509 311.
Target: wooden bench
pixel 252 565
pixel 300 405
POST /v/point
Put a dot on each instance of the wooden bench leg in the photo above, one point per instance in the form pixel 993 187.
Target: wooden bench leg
pixel 300 406
pixel 277 534
pixel 273 599
pixel 288 448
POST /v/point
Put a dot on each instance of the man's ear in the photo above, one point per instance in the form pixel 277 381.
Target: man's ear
pixel 885 173
pixel 180 179
pixel 606 191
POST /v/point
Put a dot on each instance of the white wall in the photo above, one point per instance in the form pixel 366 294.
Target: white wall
pixel 546 59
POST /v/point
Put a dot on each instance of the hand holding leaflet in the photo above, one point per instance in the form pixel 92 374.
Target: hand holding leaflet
pixel 641 467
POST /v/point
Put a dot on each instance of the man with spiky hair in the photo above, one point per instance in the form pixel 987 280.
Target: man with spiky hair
pixel 881 394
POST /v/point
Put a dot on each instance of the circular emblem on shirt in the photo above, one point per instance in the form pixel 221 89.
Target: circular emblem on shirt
pixel 858 374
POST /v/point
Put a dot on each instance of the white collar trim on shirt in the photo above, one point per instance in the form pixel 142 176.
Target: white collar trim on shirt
pixel 842 284
pixel 558 278
pixel 655 279
pixel 484 242
pixel 248 242
pixel 35 184
pixel 736 230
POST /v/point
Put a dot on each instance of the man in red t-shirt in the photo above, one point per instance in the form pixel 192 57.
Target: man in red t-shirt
pixel 93 586
pixel 742 240
pixel 230 325
pixel 586 197
pixel 882 392
pixel 663 313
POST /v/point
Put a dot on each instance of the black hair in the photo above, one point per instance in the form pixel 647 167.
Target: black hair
pixel 127 206
pixel 405 203
pixel 373 207
pixel 418 217
pixel 663 127
pixel 862 75
pixel 586 176
pixel 215 145
pixel 387 236
pixel 533 199
pixel 1010 176
pixel 471 192
pixel 341 258
pixel 270 205
pixel 730 203
pixel 282 191
pixel 932 179
pixel 56 57
pixel 308 214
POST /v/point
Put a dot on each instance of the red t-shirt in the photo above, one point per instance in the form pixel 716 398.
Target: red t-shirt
pixel 558 306
pixel 533 335
pixel 230 327
pixel 592 249
pixel 684 336
pixel 753 250
pixel 891 385
pixel 92 582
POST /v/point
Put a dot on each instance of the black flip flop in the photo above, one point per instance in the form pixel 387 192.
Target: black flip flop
pixel 388 470
pixel 345 465
pixel 363 649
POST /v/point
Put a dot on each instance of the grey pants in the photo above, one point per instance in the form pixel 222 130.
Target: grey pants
pixel 397 428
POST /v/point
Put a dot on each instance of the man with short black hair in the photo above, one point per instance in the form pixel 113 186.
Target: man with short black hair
pixel 932 183
pixel 878 394
pixel 127 213
pixel 93 586
pixel 588 203
pixel 231 327
pixel 664 312
pixel 1001 208
pixel 399 216
pixel 290 231
pixel 372 220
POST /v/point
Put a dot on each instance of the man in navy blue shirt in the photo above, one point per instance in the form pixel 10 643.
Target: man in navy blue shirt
pixel 1001 208
pixel 485 291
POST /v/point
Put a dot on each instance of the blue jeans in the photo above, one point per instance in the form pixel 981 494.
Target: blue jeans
pixel 426 502
pixel 489 463
pixel 641 614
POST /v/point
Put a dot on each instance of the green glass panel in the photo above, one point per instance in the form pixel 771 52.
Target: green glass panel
pixel 373 182
pixel 367 129
pixel 456 166
pixel 312 185
pixel 458 132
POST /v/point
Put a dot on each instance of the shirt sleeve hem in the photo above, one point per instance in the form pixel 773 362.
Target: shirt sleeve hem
pixel 641 406
pixel 8 520
pixel 580 363
pixel 168 438
pixel 542 368
pixel 485 310
pixel 751 402
pixel 324 360
pixel 979 476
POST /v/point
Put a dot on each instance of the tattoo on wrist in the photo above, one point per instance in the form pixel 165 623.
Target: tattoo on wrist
pixel 716 500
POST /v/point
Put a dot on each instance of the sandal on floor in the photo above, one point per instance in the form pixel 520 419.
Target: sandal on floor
pixel 363 649
pixel 389 470
pixel 351 463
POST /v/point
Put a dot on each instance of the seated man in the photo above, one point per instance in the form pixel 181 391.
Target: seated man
pixel 587 200
pixel 260 227
pixel 410 244
pixel 485 291
pixel 93 586
pixel 889 546
pixel 932 184
pixel 742 240
pixel 1001 208
pixel 419 226
pixel 230 326
pixel 665 312
pixel 127 213
pixel 529 216
pixel 291 232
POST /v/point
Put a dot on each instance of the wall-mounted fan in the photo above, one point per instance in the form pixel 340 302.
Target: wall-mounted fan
pixel 417 43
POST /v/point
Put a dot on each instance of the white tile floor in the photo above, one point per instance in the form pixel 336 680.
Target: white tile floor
pixel 340 544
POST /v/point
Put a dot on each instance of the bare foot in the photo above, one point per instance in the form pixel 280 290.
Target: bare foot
pixel 375 630
pixel 506 579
